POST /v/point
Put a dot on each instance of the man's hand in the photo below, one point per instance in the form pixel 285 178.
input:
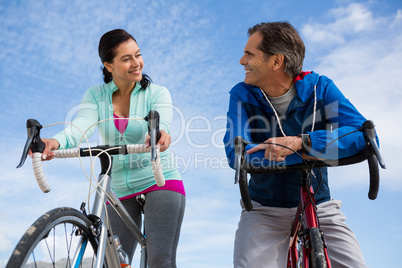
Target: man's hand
pixel 278 153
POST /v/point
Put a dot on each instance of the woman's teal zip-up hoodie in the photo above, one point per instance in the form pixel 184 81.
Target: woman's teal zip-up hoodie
pixel 131 173
pixel 251 117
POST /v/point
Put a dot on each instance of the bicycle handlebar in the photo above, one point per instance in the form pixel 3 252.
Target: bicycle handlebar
pixel 371 153
pixel 37 146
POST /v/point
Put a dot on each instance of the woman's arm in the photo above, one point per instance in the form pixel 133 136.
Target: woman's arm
pixel 87 115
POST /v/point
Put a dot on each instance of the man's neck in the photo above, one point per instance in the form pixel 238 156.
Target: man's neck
pixel 278 88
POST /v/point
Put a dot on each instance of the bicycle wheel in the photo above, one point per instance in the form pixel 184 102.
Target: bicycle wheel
pixel 317 256
pixel 52 241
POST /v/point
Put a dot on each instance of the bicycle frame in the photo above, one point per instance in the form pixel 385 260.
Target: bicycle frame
pixel 106 246
pixel 306 224
pixel 305 218
pixel 96 223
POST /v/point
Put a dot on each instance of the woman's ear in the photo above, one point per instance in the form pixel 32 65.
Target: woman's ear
pixel 108 66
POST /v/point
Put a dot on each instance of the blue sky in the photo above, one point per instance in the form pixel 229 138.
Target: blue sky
pixel 48 58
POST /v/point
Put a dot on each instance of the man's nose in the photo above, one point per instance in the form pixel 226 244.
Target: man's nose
pixel 242 60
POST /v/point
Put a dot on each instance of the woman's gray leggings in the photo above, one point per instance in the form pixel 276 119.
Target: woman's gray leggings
pixel 163 215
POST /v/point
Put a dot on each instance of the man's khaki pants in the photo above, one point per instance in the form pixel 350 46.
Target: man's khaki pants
pixel 262 237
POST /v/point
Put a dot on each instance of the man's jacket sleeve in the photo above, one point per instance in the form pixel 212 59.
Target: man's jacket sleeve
pixel 342 118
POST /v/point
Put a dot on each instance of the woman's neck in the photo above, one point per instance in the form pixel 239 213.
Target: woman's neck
pixel 125 88
pixel 121 99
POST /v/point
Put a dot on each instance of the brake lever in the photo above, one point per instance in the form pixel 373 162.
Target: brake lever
pixel 34 140
pixel 369 132
pixel 153 130
pixel 241 174
pixel 239 148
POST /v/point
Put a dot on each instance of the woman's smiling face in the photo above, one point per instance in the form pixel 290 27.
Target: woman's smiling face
pixel 127 64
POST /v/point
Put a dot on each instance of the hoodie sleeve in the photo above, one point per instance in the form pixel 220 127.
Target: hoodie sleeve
pixel 87 115
pixel 342 138
pixel 162 102
pixel 236 125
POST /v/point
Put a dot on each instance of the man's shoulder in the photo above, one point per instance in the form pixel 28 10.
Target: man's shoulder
pixel 242 85
pixel 307 82
pixel 242 90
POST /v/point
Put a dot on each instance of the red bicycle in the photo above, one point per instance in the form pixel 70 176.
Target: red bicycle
pixel 307 246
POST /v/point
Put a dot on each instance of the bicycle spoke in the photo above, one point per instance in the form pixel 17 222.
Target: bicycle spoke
pixel 55 239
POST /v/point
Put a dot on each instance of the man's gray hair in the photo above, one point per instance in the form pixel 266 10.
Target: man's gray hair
pixel 282 38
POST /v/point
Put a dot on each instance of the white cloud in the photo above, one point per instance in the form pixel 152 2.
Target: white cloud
pixel 353 18
pixel 367 70
pixel 398 19
pixel 343 23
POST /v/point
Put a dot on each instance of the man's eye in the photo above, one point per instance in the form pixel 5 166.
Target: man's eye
pixel 138 55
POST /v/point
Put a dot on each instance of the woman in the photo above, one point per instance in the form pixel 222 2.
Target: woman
pixel 128 92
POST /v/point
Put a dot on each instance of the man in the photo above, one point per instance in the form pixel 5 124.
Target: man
pixel 304 111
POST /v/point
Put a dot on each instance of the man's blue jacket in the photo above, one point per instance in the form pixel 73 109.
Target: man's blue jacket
pixel 251 117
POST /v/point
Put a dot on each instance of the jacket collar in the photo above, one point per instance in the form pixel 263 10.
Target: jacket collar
pixel 113 88
pixel 304 84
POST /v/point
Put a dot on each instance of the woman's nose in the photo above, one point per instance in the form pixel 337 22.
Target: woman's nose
pixel 135 62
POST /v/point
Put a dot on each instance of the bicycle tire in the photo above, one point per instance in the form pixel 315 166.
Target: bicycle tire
pixel 45 233
pixel 317 255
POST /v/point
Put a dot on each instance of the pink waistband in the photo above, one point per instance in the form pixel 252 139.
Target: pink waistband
pixel 170 185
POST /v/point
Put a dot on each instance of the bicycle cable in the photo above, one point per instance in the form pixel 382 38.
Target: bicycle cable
pixel 90 177
pixel 309 168
pixel 93 163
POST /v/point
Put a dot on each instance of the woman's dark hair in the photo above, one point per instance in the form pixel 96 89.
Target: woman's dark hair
pixel 282 38
pixel 107 51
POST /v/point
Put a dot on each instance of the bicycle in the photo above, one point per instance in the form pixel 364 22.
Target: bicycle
pixel 307 246
pixel 75 229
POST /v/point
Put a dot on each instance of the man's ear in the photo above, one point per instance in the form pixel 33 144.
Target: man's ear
pixel 278 61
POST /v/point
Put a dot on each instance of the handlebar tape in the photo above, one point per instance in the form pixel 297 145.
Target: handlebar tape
pixel 244 192
pixel 156 164
pixel 75 152
pixel 374 177
pixel 373 158
pixel 38 171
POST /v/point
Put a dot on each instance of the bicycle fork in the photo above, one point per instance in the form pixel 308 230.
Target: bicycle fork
pixel 106 247
pixel 305 221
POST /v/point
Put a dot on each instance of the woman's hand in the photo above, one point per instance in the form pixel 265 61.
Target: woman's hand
pixel 276 152
pixel 164 141
pixel 50 144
